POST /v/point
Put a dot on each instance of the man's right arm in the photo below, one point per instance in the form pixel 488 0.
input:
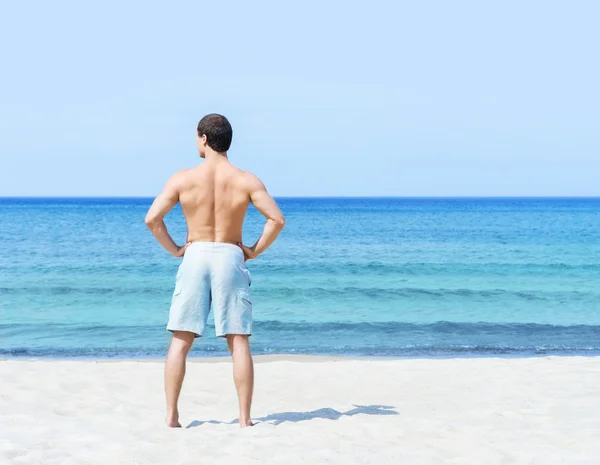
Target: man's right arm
pixel 162 205
pixel 265 204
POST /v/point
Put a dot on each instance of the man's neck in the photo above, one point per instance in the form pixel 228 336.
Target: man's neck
pixel 211 155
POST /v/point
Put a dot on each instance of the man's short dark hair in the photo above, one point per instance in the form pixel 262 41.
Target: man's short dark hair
pixel 217 130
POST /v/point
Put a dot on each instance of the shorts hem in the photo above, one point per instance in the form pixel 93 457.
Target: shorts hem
pixel 187 330
pixel 234 333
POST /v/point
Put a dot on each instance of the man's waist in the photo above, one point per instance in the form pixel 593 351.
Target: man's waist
pixel 213 245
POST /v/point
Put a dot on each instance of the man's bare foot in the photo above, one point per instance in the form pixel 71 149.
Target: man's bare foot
pixel 172 420
pixel 245 423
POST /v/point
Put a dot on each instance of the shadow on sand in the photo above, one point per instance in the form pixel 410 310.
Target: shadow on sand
pixel 326 413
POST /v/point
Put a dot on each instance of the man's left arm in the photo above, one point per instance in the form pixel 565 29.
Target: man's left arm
pixel 155 219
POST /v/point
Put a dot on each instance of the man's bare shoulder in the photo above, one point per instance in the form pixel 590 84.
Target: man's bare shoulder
pixel 250 181
pixel 180 176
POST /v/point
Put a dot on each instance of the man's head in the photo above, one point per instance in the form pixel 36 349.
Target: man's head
pixel 214 131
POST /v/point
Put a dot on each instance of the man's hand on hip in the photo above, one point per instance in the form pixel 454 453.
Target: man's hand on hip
pixel 181 250
pixel 249 252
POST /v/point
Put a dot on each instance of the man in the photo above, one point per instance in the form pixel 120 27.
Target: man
pixel 214 197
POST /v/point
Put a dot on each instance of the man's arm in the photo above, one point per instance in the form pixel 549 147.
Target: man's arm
pixel 162 205
pixel 265 204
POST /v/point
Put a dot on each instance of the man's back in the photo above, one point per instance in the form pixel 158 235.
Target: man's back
pixel 214 197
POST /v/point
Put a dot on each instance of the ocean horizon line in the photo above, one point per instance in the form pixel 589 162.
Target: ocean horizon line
pixel 318 197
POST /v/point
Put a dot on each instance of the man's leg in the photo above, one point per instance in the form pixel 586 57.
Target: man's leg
pixel 174 373
pixel 243 374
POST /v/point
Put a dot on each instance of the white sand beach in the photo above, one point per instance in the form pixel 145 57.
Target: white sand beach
pixel 309 410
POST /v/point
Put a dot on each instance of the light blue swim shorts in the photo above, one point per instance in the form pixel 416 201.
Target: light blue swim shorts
pixel 212 272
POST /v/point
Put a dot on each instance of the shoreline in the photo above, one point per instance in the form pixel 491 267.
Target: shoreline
pixel 300 358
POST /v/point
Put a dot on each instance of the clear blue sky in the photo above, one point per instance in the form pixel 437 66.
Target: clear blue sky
pixel 326 98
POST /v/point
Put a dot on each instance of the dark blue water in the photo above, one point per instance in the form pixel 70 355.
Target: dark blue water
pixel 382 277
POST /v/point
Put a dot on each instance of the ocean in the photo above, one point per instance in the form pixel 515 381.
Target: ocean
pixel 83 277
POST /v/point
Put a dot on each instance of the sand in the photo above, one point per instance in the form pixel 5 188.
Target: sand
pixel 314 411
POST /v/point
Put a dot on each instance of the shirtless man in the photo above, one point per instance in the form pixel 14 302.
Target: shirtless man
pixel 214 197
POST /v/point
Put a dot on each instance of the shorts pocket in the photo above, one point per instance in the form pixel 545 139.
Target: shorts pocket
pixel 247 274
pixel 178 289
pixel 245 297
pixel 178 281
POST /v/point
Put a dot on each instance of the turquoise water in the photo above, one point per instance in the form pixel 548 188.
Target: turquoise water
pixel 83 277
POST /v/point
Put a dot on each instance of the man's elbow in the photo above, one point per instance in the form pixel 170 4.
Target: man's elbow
pixel 151 222
pixel 279 222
